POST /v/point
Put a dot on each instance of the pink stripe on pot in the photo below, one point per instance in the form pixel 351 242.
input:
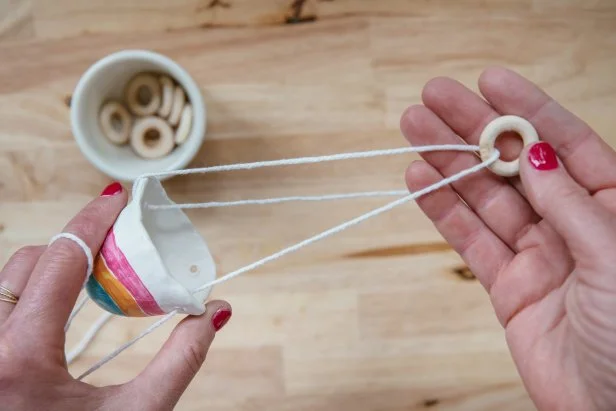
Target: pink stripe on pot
pixel 124 272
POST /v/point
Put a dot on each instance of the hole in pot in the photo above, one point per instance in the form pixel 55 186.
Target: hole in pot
pixel 151 137
pixel 144 95
pixel 510 145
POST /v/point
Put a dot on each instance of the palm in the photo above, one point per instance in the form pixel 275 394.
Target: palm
pixel 554 335
pixel 552 299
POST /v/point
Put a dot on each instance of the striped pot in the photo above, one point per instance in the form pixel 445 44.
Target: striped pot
pixel 151 261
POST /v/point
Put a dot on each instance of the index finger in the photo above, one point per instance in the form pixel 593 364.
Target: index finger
pixel 58 276
pixel 588 158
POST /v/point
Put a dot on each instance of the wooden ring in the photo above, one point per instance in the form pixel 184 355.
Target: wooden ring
pixel 178 104
pixel 115 122
pixel 167 101
pixel 152 137
pixel 183 130
pixel 497 127
pixel 138 103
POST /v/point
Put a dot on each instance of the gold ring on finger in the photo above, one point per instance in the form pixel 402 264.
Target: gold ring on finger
pixel 7 295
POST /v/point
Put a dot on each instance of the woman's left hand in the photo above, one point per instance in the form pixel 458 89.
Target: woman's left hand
pixel 48 280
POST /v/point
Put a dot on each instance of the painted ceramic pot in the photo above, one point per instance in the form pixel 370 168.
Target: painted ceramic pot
pixel 152 261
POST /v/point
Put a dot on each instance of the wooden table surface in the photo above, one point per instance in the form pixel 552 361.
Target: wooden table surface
pixel 380 317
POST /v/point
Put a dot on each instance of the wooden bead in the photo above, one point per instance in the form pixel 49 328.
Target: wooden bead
pixel 167 96
pixel 143 95
pixel 181 134
pixel 178 104
pixel 497 127
pixel 115 122
pixel 152 137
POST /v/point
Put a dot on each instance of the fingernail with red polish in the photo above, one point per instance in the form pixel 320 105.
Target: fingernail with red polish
pixel 220 318
pixel 112 189
pixel 542 156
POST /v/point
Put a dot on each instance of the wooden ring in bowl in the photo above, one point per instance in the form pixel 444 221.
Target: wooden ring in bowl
pixel 183 130
pixel 115 122
pixel 152 137
pixel 179 99
pixel 167 96
pixel 143 95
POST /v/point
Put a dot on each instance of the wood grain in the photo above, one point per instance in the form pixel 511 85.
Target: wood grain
pixel 16 20
pixel 381 317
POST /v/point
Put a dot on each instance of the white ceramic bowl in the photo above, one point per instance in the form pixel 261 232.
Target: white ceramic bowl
pixel 106 79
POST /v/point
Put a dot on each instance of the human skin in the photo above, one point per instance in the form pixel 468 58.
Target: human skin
pixel 542 244
pixel 47 280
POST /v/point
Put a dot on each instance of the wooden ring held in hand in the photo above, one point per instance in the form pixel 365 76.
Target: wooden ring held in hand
pixel 497 127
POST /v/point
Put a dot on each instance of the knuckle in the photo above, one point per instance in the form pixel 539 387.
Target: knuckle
pixel 551 197
pixel 27 253
pixel 92 222
pixel 6 353
pixel 63 250
pixel 568 194
pixel 88 223
pixel 194 356
pixel 10 359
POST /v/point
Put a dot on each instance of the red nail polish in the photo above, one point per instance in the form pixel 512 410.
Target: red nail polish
pixel 112 189
pixel 220 318
pixel 542 156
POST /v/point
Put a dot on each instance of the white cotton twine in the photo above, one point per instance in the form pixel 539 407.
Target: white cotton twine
pixel 407 197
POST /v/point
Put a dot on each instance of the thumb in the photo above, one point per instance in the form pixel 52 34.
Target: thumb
pixel 585 225
pixel 164 380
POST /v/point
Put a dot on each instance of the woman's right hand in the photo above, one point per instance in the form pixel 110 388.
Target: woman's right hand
pixel 543 245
